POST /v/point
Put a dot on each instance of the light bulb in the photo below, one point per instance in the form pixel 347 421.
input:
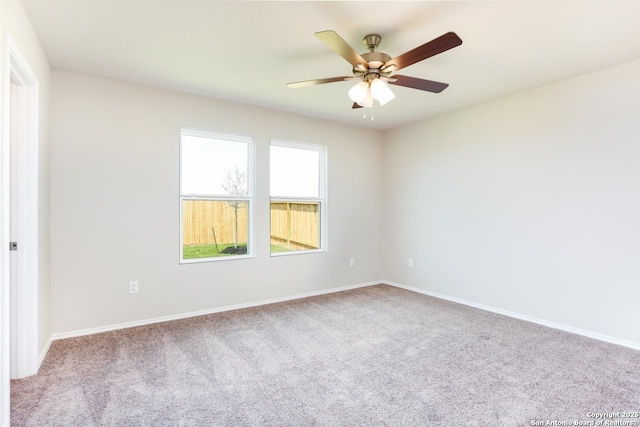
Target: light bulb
pixel 359 92
pixel 381 91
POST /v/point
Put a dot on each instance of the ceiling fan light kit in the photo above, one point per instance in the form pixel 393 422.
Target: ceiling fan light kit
pixel 367 102
pixel 381 92
pixel 375 69
pixel 359 92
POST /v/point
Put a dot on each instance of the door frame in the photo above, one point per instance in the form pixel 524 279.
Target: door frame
pixel 19 301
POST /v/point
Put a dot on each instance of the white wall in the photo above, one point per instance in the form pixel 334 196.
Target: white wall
pixel 14 21
pixel 115 212
pixel 529 204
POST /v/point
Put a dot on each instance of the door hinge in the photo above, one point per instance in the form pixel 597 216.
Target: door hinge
pixel 13 246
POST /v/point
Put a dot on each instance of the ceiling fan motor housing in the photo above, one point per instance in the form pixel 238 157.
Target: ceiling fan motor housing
pixel 375 60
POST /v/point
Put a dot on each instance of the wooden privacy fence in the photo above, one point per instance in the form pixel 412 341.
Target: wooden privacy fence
pixel 295 225
pixel 201 217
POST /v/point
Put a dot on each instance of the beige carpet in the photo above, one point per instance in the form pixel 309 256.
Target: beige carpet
pixel 367 357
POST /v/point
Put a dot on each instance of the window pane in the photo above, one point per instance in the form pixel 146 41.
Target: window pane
pixel 212 166
pixel 294 172
pixel 297 197
pixel 295 226
pixel 214 228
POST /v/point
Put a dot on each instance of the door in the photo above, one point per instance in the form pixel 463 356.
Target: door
pixel 13 223
pixel 18 218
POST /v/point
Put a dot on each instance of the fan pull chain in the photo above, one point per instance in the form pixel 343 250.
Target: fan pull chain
pixel 364 116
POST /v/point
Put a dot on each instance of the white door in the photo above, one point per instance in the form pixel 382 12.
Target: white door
pixel 23 220
pixel 18 218
pixel 13 215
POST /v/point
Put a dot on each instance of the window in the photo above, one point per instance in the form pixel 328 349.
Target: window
pixel 216 196
pixel 298 205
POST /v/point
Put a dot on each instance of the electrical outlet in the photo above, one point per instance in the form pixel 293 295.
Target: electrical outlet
pixel 352 262
pixel 410 263
pixel 134 287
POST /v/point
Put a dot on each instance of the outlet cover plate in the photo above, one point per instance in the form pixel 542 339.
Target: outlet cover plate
pixel 134 287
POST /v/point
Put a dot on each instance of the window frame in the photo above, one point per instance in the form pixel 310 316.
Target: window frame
pixel 249 198
pixel 321 199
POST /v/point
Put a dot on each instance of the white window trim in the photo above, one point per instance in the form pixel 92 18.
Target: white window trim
pixel 322 191
pixel 250 197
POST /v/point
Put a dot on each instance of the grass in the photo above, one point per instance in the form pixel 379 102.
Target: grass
pixel 279 248
pixel 209 251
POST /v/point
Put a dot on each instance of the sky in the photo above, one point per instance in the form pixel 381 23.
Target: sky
pixel 205 161
pixel 293 172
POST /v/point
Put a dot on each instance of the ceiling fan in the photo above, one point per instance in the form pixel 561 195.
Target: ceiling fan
pixel 375 69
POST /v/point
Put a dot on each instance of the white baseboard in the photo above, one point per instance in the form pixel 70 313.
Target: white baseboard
pixel 44 352
pixel 126 325
pixel 566 328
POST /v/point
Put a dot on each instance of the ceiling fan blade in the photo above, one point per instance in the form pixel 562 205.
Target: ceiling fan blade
pixel 341 47
pixel 441 44
pixel 356 105
pixel 421 84
pixel 318 81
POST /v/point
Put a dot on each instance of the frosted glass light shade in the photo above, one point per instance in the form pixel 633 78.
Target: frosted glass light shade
pixel 367 102
pixel 359 92
pixel 381 91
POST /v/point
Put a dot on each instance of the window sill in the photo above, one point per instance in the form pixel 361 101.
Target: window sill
pixel 279 254
pixel 215 259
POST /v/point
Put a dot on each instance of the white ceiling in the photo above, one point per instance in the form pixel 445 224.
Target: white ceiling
pixel 248 51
